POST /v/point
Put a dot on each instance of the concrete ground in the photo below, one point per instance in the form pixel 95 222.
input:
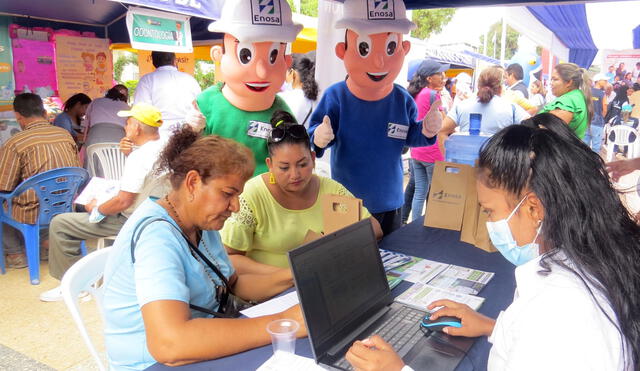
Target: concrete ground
pixel 42 336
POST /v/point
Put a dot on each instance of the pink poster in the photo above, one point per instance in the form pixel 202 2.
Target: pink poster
pixel 33 67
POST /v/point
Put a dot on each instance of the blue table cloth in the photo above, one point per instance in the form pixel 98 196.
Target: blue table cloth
pixel 414 239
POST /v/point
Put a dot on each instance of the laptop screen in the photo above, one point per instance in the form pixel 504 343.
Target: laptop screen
pixel 340 281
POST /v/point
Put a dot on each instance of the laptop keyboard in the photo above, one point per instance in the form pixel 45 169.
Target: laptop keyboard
pixel 401 330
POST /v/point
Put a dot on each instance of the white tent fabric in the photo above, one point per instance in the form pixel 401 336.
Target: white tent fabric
pixel 524 22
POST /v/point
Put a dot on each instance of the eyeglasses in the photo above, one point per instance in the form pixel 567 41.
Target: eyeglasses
pixel 295 131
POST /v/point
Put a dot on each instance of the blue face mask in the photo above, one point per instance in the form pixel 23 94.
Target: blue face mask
pixel 502 238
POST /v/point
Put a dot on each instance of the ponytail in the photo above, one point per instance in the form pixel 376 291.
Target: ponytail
pixel 585 87
pixel 306 69
pixel 490 83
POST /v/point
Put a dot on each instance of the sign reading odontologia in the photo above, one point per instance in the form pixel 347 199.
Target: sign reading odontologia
pixel 161 31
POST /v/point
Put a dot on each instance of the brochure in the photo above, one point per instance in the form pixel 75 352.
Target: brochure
pixel 420 295
pixel 100 189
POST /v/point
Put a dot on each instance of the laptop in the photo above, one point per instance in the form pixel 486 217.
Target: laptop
pixel 344 294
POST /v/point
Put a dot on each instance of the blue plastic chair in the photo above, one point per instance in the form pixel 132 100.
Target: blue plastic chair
pixel 56 190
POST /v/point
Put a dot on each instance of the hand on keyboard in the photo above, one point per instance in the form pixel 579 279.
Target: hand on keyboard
pixel 374 354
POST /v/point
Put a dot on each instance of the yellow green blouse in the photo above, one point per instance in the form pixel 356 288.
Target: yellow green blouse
pixel 266 230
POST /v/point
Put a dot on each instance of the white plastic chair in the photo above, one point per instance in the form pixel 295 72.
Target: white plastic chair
pixel 622 137
pixel 109 157
pixel 85 275
pixel 111 161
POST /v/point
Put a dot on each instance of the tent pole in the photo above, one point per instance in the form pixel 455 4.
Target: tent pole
pixel 503 40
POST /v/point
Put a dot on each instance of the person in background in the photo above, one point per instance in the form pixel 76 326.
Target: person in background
pixel 636 71
pixel 103 123
pixel 570 84
pixel 594 134
pixel 39 147
pixel 628 79
pixel 532 182
pixel 303 94
pixel 278 208
pixel 74 110
pixel 634 100
pixel 537 94
pixel 425 88
pixel 620 71
pixel 463 88
pixel 514 75
pixel 168 273
pixel 614 108
pixel 68 230
pixel 611 74
pixel 497 112
pixel 168 89
pixel 609 92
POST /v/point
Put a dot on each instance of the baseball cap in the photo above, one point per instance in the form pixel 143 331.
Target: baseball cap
pixel 426 67
pixel 600 76
pixel 257 21
pixel 367 17
pixel 145 113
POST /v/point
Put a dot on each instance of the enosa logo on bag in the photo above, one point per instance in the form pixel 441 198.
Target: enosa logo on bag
pixel 266 12
pixel 380 9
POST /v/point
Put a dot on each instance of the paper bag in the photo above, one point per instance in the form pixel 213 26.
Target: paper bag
pixel 339 212
pixel 474 228
pixel 447 196
pixel 311 236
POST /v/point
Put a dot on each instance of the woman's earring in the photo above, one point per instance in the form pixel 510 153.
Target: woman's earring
pixel 272 179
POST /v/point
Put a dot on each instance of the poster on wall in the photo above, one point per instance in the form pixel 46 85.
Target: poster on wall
pixel 83 66
pixel 184 62
pixel 34 67
pixel 6 70
pixel 8 126
pixel 621 65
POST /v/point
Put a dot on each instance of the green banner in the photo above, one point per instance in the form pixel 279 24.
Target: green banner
pixel 154 30
pixel 7 85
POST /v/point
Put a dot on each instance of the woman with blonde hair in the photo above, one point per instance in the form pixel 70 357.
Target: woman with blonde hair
pixel 570 84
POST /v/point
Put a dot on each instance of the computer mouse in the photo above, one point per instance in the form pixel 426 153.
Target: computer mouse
pixel 440 323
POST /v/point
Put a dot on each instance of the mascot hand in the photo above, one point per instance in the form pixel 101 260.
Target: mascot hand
pixel 323 133
pixel 195 118
pixel 432 120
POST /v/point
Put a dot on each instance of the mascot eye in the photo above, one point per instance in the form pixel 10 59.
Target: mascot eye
pixel 392 44
pixel 245 52
pixel 364 45
pixel 273 53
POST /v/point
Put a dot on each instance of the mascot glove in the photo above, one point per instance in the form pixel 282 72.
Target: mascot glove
pixel 432 122
pixel 323 133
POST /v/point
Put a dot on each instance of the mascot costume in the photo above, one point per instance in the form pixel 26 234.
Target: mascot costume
pixel 367 119
pixel 253 66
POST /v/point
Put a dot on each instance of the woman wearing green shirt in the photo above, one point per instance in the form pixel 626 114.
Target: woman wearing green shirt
pixel 278 208
pixel 571 85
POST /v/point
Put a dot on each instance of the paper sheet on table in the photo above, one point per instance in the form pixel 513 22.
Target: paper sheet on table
pixel 424 271
pixel 282 361
pixel 99 188
pixel 419 296
pixel 272 306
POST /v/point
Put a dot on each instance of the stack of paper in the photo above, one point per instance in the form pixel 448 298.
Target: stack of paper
pixel 282 361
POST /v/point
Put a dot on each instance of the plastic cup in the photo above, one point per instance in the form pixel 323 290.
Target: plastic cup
pixel 283 335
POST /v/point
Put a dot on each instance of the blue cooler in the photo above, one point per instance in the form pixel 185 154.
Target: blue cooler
pixel 464 148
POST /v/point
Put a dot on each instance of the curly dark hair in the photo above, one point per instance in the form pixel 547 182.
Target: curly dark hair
pixel 306 69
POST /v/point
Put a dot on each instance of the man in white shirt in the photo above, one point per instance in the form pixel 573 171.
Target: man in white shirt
pixel 68 230
pixel 168 89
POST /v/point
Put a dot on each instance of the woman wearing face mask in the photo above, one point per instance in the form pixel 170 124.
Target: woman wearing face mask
pixel 577 303
pixel 278 208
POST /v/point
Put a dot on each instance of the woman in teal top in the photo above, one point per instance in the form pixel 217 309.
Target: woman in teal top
pixel 168 270
pixel 571 85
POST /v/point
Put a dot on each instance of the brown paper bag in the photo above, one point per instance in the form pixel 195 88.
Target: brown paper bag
pixel 311 236
pixel 447 196
pixel 474 228
pixel 339 212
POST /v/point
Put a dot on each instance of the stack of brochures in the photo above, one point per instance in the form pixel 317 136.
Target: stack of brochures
pixel 434 281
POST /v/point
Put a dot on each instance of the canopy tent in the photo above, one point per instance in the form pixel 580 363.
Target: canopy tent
pixel 636 38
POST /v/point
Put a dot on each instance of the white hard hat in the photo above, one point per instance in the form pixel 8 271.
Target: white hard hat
pixel 367 17
pixel 257 21
pixel 600 76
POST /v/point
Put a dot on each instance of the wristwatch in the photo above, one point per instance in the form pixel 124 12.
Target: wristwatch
pixel 96 216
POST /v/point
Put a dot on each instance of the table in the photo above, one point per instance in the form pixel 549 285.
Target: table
pixel 413 239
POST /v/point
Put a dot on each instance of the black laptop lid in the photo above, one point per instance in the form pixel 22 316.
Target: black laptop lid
pixel 341 282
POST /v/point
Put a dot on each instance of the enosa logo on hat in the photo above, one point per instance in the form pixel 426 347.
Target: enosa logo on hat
pixel 380 9
pixel 266 12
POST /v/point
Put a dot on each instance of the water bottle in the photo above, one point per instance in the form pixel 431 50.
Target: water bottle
pixel 475 122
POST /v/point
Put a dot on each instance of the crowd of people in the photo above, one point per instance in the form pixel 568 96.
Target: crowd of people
pixel 218 185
